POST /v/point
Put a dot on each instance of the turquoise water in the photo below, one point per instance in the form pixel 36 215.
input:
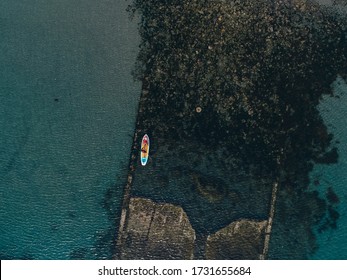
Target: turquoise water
pixel 68 105
pixel 332 243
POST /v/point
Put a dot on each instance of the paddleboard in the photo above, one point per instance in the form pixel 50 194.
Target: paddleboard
pixel 144 149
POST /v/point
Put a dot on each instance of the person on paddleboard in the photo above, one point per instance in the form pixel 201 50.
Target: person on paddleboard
pixel 144 149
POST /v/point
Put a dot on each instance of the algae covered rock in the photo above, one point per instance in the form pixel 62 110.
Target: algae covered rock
pixel 156 231
pixel 243 239
pixel 213 189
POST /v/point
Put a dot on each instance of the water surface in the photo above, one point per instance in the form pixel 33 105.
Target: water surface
pixel 331 243
pixel 67 110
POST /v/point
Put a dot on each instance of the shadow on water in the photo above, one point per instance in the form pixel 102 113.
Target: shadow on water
pixel 233 93
pixel 105 239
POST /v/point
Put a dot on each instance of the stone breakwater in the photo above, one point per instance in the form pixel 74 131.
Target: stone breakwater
pixel 229 101
pixel 156 231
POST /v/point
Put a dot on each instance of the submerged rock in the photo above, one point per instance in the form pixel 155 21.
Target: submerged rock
pixel 213 189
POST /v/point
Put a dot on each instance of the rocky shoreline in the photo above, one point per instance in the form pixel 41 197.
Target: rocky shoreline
pixel 229 100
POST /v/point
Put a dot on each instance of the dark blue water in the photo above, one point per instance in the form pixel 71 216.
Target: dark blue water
pixel 68 105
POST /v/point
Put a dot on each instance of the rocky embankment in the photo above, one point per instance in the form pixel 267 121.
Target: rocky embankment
pixel 230 99
pixel 156 231
pixel 241 240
